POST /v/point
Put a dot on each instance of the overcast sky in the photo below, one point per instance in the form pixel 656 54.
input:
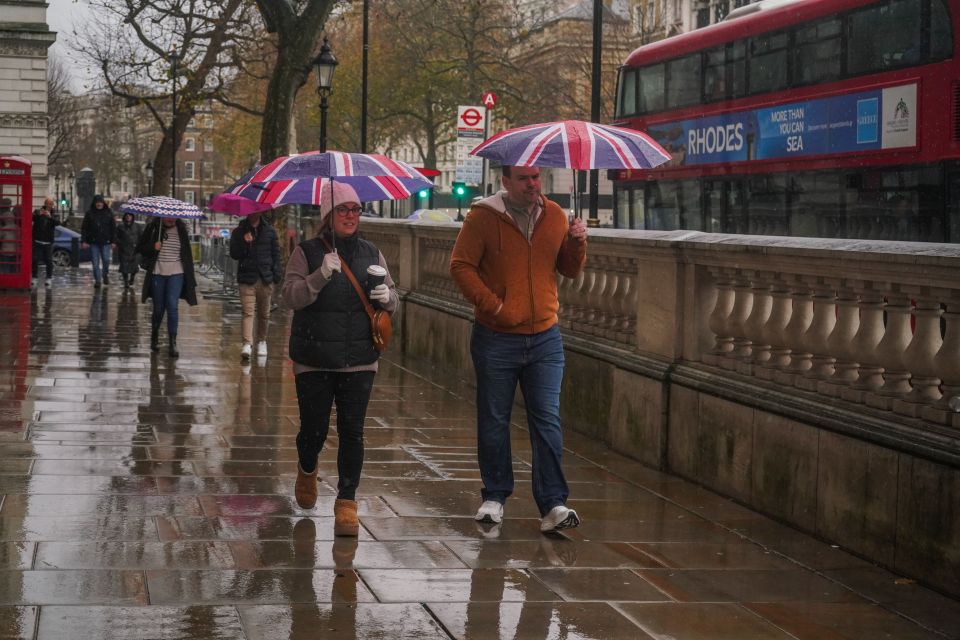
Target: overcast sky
pixel 63 16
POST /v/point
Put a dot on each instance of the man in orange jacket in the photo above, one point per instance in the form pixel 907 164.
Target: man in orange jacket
pixel 505 261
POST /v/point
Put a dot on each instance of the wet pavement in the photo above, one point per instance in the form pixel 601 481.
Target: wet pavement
pixel 144 497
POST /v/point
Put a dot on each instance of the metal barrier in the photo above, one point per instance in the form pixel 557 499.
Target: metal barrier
pixel 216 264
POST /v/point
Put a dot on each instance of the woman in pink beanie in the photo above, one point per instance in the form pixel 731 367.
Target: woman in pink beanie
pixel 331 345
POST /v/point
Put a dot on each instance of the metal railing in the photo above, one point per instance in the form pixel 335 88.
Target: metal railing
pixel 216 264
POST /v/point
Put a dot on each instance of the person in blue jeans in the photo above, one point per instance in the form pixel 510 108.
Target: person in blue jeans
pixel 168 260
pixel 506 259
pixel 99 232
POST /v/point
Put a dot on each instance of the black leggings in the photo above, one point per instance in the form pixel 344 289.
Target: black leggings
pixel 316 393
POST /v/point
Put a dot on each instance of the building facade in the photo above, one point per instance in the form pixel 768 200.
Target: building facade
pixel 24 39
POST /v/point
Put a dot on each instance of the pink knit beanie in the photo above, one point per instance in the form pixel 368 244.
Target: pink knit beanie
pixel 342 194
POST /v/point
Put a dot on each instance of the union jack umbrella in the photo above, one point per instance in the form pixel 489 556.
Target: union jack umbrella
pixel 161 207
pixel 573 144
pixel 332 164
pixel 307 191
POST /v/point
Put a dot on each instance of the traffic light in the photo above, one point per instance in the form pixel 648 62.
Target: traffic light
pixel 423 194
pixel 459 190
pixel 63 200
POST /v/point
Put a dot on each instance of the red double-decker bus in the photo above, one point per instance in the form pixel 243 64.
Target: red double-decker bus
pixel 822 118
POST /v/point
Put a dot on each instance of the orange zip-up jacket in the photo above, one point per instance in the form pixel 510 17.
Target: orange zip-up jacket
pixel 511 282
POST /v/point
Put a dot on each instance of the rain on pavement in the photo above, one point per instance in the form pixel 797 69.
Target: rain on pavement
pixel 144 497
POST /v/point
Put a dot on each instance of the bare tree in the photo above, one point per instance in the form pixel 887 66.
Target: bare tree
pixel 296 25
pixel 62 120
pixel 133 42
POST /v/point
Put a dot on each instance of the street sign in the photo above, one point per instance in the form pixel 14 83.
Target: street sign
pixel 471 124
pixel 224 233
pixel 489 99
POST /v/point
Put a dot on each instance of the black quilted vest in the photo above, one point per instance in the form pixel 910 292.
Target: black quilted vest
pixel 334 331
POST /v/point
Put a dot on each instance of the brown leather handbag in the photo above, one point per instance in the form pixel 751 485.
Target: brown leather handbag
pixel 381 324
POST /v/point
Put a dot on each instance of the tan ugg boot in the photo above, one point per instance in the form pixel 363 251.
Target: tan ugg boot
pixel 346 522
pixel 306 488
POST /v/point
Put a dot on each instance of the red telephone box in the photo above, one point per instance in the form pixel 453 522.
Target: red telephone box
pixel 16 222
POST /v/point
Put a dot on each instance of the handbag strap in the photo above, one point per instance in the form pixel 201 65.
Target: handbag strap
pixel 353 280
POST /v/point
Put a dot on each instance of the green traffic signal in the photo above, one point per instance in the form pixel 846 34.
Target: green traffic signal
pixel 459 189
pixel 423 194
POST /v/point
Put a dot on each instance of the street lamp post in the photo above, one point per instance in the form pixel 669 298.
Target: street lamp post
pixel 149 173
pixel 326 63
pixel 70 178
pixel 174 58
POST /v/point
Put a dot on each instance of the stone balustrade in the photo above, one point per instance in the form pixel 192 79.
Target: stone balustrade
pixel 810 379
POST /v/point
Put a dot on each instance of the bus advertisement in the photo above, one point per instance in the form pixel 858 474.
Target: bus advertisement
pixel 822 118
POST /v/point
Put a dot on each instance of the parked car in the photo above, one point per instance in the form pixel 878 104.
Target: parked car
pixel 63 246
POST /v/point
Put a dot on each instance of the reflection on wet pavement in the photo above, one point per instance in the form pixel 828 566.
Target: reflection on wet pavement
pixel 142 493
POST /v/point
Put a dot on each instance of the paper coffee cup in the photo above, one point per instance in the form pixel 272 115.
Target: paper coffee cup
pixel 376 275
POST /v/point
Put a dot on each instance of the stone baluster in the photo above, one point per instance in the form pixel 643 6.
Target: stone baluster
pixel 756 321
pixel 720 316
pixel 583 299
pixel 742 305
pixel 870 372
pixel 773 334
pixel 947 365
pixel 890 352
pixel 840 343
pixel 595 301
pixel 800 319
pixel 817 336
pixel 612 303
pixel 628 327
pixel 564 288
pixel 919 358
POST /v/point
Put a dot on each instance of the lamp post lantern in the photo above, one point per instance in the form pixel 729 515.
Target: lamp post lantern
pixel 148 170
pixel 326 63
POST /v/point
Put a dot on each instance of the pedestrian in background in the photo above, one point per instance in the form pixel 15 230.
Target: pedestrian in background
pixel 99 232
pixel 128 237
pixel 168 261
pixel 505 261
pixel 255 246
pixel 331 345
pixel 44 229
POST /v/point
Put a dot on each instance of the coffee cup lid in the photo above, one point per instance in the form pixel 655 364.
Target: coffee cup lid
pixel 376 270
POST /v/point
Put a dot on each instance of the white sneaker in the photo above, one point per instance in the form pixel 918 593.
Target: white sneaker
pixel 560 517
pixel 245 351
pixel 262 348
pixel 490 511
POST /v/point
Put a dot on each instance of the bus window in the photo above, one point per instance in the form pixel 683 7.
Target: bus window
pixel 768 62
pixel 737 68
pixel 651 88
pixel 683 81
pixel 941 39
pixel 767 206
pixel 815 209
pixel 816 52
pixel 715 74
pixel 885 35
pixel 628 92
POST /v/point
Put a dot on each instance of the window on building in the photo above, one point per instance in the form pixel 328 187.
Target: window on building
pixel 207 170
pixel 190 196
pixel 208 145
pixel 190 144
pixel 188 170
pixel 720 10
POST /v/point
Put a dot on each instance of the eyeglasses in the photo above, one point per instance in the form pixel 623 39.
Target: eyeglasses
pixel 345 211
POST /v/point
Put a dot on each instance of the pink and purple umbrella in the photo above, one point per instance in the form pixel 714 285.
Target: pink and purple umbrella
pixel 236 205
pixel 573 144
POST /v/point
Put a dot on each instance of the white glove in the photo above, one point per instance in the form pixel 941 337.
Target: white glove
pixel 331 263
pixel 380 293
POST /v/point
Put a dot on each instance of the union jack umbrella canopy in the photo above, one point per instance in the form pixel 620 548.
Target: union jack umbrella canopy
pixel 236 205
pixel 332 164
pixel 307 191
pixel 573 144
pixel 161 207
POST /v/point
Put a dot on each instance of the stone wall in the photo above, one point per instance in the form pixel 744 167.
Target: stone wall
pixel 807 379
pixel 24 39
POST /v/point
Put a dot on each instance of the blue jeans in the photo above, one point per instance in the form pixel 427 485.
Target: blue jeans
pixel 165 291
pixel 501 360
pixel 100 252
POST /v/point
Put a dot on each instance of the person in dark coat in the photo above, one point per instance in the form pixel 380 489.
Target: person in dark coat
pixel 99 232
pixel 255 246
pixel 44 229
pixel 128 236
pixel 331 345
pixel 168 261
